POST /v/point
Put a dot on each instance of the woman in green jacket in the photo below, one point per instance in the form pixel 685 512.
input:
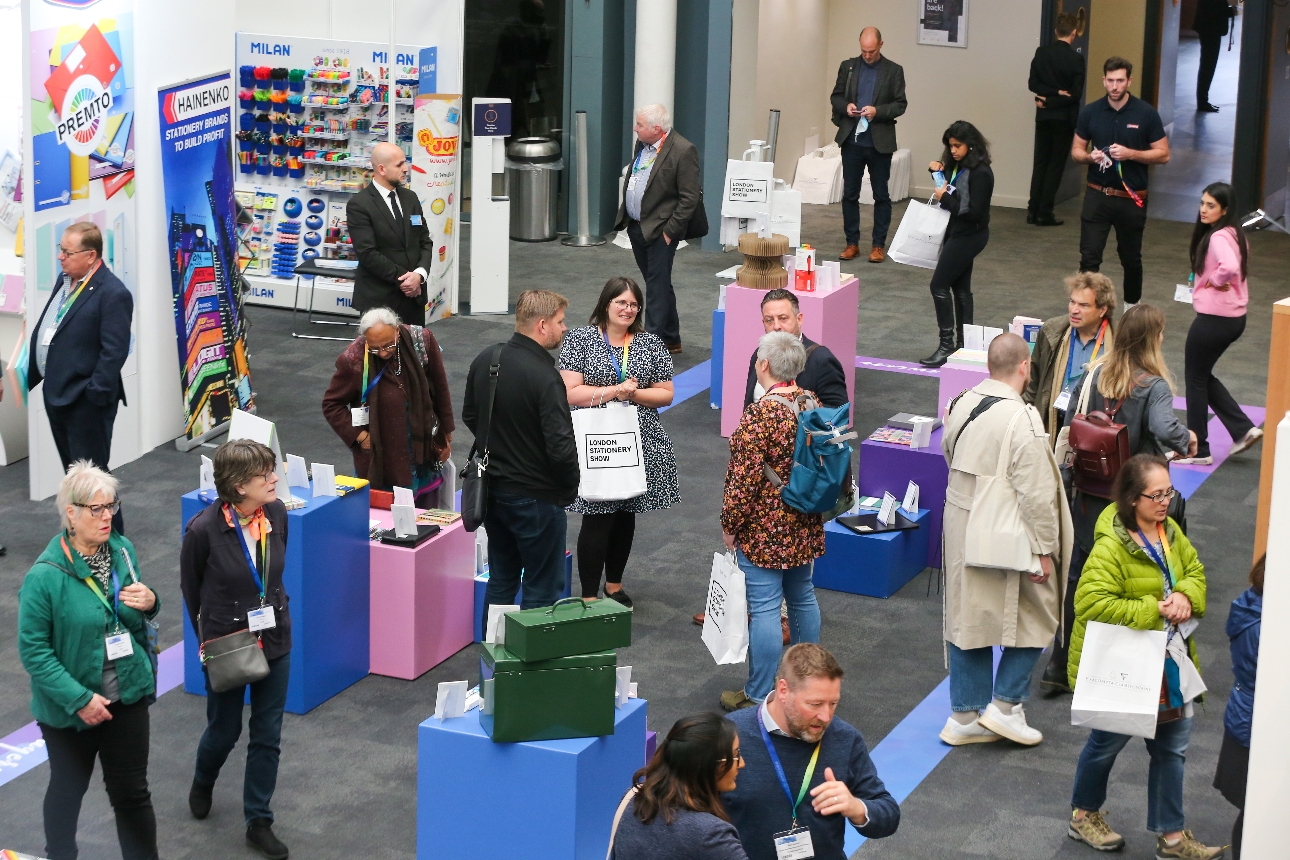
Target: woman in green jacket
pixel 83 617
pixel 1143 573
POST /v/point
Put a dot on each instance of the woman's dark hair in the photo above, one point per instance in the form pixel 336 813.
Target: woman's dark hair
pixel 1256 574
pixel 236 463
pixel 978 147
pixel 684 771
pixel 1223 196
pixel 1130 483
pixel 615 287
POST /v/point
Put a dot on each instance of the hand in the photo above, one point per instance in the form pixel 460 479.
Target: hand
pixel 852 110
pixel 729 539
pixel 1040 102
pixel 138 596
pixel 868 112
pixel 1176 609
pixel 410 284
pixel 1096 156
pixel 445 450
pixel 1046 570
pixel 1192 444
pixel 832 797
pixel 934 166
pixel 1222 288
pixel 667 240
pixel 365 440
pixel 96 711
pixel 1121 153
pixel 940 192
pixel 625 389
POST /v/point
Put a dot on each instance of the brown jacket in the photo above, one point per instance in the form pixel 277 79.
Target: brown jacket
pixel 673 199
pixel 1048 364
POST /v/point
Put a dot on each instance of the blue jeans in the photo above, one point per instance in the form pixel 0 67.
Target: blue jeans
pixel 263 747
pixel 855 158
pixel 973 681
pixel 1164 778
pixel 526 537
pixel 766 588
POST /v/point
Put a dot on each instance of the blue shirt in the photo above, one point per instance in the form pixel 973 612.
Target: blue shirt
pixel 1080 355
pixel 638 178
pixel 49 324
pixel 866 80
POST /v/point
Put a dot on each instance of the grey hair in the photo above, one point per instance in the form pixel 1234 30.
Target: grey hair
pixel 378 316
pixel 655 114
pixel 785 354
pixel 82 482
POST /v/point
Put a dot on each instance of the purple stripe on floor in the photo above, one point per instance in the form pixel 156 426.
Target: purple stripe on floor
pixel 1187 478
pixel 890 365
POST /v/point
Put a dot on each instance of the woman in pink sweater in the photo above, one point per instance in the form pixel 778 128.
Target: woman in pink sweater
pixel 1219 256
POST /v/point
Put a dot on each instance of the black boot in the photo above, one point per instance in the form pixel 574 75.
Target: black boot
pixel 943 352
pixel 962 311
pixel 1054 680
pixel 944 304
pixel 199 800
pixel 259 835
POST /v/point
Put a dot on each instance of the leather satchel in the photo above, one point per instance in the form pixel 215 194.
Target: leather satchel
pixel 1098 449
pixel 234 660
pixel 474 477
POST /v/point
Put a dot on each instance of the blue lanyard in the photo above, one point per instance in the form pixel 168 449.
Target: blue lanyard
pixel 115 605
pixel 241 539
pixel 779 768
pixel 373 385
pixel 618 368
pixel 1160 562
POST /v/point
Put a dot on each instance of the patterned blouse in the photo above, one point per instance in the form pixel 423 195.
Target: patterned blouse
pixel 770 533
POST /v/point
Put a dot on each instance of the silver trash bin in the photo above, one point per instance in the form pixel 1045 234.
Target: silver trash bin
pixel 532 176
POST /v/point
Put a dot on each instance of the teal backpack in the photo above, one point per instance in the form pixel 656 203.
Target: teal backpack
pixel 818 482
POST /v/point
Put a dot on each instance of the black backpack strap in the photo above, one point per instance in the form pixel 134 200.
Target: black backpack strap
pixel 494 366
pixel 977 411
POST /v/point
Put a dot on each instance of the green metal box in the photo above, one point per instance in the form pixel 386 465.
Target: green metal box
pixel 570 626
pixel 565 697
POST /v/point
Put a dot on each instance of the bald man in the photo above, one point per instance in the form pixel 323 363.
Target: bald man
pixel 392 240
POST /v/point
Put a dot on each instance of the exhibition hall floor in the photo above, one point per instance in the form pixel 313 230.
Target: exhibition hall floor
pixel 347 785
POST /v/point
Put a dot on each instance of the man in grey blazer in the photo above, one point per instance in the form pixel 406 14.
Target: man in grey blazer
pixel 868 97
pixel 662 204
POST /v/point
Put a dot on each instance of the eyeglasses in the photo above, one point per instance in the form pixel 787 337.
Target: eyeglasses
pixel 97 510
pixel 1160 497
pixel 269 476
pixel 624 305
pixel 738 757
pixel 66 253
pixel 384 350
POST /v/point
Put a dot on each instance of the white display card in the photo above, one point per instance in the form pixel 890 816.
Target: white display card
pixel 910 505
pixel 989 333
pixel 495 629
pixel 887 515
pixel 405 520
pixel 623 691
pixel 207 474
pixel 973 337
pixel 450 701
pixel 403 496
pixel 324 479
pixel 244 425
pixel 921 432
pixel 297 474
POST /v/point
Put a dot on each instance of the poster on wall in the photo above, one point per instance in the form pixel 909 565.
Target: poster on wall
pixel 943 22
pixel 82 131
pixel 202 244
pixel 436 135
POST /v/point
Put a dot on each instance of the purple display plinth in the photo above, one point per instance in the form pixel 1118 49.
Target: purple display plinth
pixel 827 318
pixel 481 590
pixel 956 378
pixel 889 468
pixel 651 744
pixel 875 565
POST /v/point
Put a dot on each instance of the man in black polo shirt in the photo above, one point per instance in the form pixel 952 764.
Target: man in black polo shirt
pixel 1126 136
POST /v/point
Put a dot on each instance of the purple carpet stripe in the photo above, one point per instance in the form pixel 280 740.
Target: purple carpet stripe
pixel 1187 478
pixel 890 365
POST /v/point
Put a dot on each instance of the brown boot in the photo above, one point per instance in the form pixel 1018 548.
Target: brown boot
pixel 698 618
pixel 783 627
pixel 850 252
pixel 877 255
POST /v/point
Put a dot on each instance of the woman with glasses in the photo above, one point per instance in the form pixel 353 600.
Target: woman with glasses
pixel 83 637
pixel 1144 574
pixel 389 403
pixel 230 571
pixel 674 808
pixel 615 359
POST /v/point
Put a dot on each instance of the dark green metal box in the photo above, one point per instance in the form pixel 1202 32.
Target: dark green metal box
pixel 565 697
pixel 571 626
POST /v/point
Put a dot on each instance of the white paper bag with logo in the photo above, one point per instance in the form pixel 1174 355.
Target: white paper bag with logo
pixel 747 189
pixel 920 235
pixel 815 177
pixel 725 618
pixel 609 453
pixel 1118 687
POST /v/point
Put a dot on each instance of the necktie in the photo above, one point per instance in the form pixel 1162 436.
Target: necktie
pixel 394 205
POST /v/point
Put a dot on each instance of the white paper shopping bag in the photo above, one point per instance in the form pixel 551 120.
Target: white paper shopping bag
pixel 920 235
pixel 610 458
pixel 725 619
pixel 1118 687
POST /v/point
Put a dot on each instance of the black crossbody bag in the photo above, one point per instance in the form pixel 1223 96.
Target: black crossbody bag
pixel 474 478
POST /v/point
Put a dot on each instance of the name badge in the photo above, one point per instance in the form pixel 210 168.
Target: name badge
pixel 631 182
pixel 119 645
pixel 261 619
pixel 1183 293
pixel 48 337
pixel 794 845
pixel 1063 400
pixel 358 416
pixel 416 220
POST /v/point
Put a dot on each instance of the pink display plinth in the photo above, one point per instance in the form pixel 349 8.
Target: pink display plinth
pixel 423 601
pixel 954 379
pixel 827 318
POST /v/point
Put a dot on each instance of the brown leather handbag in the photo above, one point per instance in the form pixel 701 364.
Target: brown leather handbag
pixel 1099 448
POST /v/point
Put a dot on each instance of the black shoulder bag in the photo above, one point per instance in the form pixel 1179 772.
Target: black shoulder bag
pixel 474 478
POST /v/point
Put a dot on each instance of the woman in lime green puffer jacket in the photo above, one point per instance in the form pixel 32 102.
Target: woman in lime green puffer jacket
pixel 1143 573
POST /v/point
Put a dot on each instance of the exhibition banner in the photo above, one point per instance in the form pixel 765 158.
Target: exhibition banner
pixel 436 138
pixel 197 173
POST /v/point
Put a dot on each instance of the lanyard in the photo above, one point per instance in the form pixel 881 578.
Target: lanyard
pixel 367 389
pixel 955 174
pixel 113 607
pixel 621 369
pixel 792 384
pixel 779 768
pixel 637 167
pixel 1097 347
pixel 1136 198
pixel 264 554
pixel 70 300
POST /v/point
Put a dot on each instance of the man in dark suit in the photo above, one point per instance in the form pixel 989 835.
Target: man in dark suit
pixel 1057 80
pixel 1213 18
pixel 662 204
pixel 392 240
pixel 823 372
pixel 867 98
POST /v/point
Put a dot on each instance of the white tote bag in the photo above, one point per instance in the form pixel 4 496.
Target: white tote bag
pixel 725 619
pixel 1118 687
pixel 610 458
pixel 920 235
pixel 816 175
pixel 996 534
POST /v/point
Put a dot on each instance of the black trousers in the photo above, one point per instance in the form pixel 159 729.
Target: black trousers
pixel 952 281
pixel 855 158
pixel 83 431
pixel 1052 150
pixel 1207 340
pixel 1211 45
pixel 121 746
pixel 1099 215
pixel 604 544
pixel 654 259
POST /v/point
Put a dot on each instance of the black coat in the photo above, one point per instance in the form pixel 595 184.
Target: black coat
pixel 888 101
pixel 1058 67
pixel 673 198
pixel 1213 17
pixel 90 345
pixel 822 375
pixel 216 582
pixel 386 251
pixel 980 191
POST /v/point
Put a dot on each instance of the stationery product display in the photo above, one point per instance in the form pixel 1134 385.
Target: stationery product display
pixel 450 700
pixel 920 435
pixel 892 436
pixel 570 626
pixel 763 267
pixel 905 421
pixel 863 524
pixel 324 479
pixel 1026 328
pixel 297 472
pixel 570 696
pixel 910 504
pixel 804 270
pixel 437 517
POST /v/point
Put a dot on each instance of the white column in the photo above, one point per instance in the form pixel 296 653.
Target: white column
pixel 655 78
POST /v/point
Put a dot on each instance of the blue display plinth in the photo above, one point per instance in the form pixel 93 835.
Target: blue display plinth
pixel 543 800
pixel 718 356
pixel 481 588
pixel 875 565
pixel 326 580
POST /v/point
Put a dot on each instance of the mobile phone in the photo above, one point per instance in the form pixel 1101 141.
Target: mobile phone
pixel 938 177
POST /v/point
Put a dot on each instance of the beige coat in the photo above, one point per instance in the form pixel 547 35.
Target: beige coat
pixel 985 606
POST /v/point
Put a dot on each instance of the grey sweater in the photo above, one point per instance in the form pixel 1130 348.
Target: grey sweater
pixel 690 836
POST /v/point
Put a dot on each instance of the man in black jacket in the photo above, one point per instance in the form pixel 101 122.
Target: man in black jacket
pixel 867 98
pixel 532 457
pixel 391 239
pixel 823 372
pixel 1213 17
pixel 1057 80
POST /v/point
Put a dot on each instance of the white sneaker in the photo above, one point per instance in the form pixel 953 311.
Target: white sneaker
pixel 1247 441
pixel 1011 726
pixel 1195 461
pixel 956 734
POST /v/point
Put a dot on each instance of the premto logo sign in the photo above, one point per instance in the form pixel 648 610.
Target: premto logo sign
pixel 83 120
